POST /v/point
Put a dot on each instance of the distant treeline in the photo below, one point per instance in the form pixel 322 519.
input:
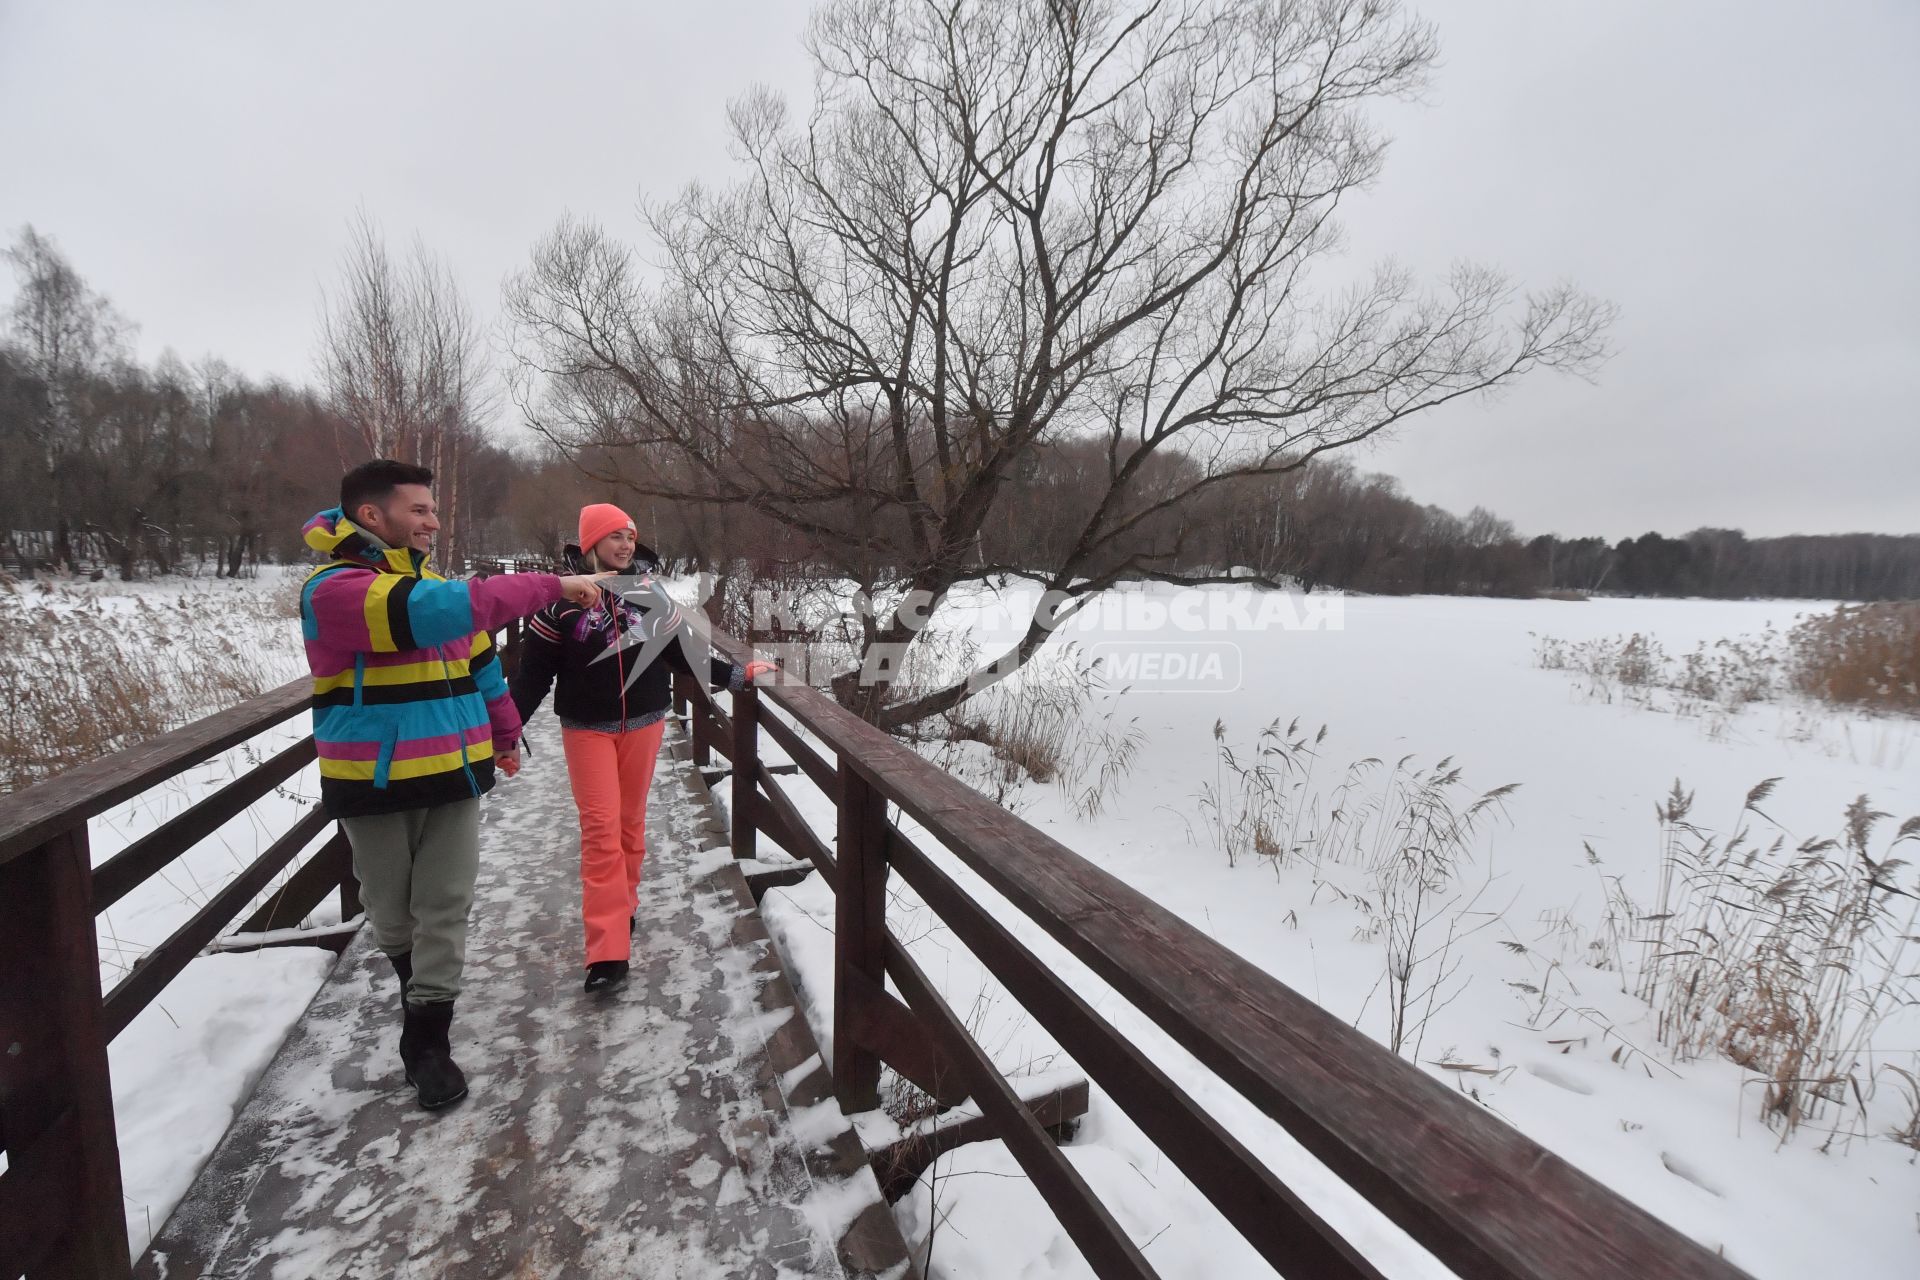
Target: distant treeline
pixel 1330 525
pixel 175 468
pixel 109 464
pixel 1725 563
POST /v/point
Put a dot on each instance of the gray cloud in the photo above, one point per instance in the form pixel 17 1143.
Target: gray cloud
pixel 1741 178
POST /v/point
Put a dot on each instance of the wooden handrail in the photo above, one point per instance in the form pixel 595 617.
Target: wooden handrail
pixel 1482 1197
pixel 28 818
pixel 163 964
pixel 34 1195
pixel 1102 1241
pixel 55 1066
pixel 151 853
pixel 1272 1218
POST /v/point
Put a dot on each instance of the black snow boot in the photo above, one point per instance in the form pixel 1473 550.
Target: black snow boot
pixel 427 1058
pixel 605 975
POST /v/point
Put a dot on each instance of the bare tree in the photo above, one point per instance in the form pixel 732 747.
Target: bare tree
pixel 403 360
pixel 66 335
pixel 1006 225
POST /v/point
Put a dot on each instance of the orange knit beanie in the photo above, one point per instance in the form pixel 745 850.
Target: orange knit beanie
pixel 599 519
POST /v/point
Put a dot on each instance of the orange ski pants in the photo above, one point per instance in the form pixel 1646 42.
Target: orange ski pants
pixel 610 773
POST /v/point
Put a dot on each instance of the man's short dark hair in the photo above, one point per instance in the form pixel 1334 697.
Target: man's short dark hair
pixel 375 482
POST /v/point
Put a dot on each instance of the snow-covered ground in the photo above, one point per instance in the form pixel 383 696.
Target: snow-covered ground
pixel 1545 1040
pixel 1573 1061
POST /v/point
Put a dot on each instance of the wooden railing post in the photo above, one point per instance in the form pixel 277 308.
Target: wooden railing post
pixel 746 772
pixel 860 935
pixel 56 1102
pixel 679 695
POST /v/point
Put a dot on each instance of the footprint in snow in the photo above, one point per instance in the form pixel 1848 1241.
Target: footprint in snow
pixel 1681 1168
pixel 1555 1076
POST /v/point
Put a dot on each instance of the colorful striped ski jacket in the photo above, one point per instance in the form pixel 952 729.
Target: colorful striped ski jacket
pixel 409 704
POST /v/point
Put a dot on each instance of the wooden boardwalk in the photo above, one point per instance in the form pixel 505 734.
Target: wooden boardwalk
pixel 679 1129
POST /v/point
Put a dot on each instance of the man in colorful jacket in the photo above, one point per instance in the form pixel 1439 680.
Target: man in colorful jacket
pixel 410 714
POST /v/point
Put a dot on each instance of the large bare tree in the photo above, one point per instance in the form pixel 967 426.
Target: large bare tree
pixel 1006 225
pixel 403 360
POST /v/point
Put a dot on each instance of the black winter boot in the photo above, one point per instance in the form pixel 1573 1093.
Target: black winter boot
pixel 605 975
pixel 428 1059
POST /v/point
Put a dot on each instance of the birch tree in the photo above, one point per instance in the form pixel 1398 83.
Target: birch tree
pixel 403 360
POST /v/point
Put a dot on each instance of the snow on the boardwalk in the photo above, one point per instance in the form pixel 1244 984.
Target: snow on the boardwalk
pixel 1566 1056
pixel 638 1133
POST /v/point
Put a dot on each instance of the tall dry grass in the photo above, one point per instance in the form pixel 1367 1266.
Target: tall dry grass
pixel 1266 799
pixel 1864 656
pixel 83 674
pixel 1055 722
pixel 1260 794
pixel 1784 957
pixel 1723 676
pixel 1410 832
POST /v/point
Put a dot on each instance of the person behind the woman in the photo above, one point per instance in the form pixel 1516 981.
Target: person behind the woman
pixel 612 663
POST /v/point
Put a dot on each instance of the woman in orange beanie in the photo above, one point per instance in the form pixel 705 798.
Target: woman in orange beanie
pixel 611 664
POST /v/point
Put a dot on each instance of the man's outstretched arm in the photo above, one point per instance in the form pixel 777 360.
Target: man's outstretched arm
pixel 366 612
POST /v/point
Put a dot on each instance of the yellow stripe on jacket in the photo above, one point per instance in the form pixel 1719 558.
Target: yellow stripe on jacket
pixel 434 672
pixel 374 606
pixel 417 767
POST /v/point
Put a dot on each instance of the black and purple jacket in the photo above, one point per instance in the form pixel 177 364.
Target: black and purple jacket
pixel 612 663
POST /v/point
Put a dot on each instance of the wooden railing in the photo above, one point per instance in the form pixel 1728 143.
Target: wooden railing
pixel 60 1197
pixel 1484 1199
pixel 486 565
pixel 1480 1196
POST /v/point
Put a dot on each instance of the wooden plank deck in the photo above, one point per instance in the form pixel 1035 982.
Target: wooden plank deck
pixel 650 1133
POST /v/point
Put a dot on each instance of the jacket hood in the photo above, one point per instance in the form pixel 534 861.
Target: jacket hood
pixel 334 536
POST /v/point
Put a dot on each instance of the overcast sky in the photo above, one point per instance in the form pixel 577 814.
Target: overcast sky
pixel 1743 179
